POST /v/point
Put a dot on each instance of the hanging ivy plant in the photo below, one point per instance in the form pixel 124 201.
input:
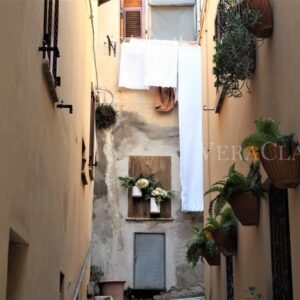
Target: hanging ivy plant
pixel 106 116
pixel 235 46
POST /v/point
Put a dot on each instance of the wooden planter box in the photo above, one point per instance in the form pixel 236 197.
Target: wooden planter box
pixel 226 241
pixel 264 28
pixel 283 169
pixel 212 260
pixel 246 208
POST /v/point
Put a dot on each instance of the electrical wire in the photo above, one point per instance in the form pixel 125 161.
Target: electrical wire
pixel 93 39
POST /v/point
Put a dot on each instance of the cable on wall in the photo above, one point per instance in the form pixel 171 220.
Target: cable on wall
pixel 98 89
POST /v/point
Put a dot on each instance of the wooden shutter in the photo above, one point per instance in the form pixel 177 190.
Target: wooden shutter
pixel 92 137
pixel 133 22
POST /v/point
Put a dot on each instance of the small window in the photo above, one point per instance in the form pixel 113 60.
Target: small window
pixel 50 37
pixel 132 19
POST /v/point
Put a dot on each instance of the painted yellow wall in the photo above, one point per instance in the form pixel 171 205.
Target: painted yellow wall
pixel 41 196
pixel 274 93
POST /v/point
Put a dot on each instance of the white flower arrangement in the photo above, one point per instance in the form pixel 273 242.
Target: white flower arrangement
pixel 142 183
pixel 148 187
pixel 160 195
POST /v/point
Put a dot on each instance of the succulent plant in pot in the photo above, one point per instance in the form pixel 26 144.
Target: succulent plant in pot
pixel 202 246
pixel 235 54
pixel 224 231
pixel 278 153
pixel 241 192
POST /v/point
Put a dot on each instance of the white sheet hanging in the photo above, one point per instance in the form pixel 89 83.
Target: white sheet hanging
pixel 161 63
pixel 190 127
pixel 132 65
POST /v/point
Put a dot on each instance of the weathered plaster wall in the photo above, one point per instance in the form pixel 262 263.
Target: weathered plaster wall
pixel 274 93
pixel 140 131
pixel 41 195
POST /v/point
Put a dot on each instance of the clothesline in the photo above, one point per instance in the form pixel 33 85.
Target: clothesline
pixel 180 42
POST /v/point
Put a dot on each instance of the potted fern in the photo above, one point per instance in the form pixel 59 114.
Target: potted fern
pixel 202 246
pixel 278 153
pixel 264 26
pixel 224 231
pixel 241 192
pixel 235 54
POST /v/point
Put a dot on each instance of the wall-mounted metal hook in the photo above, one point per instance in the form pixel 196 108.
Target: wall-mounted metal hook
pixel 208 109
pixel 68 106
pixel 111 45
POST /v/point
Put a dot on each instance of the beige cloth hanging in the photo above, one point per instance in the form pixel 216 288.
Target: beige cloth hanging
pixel 164 99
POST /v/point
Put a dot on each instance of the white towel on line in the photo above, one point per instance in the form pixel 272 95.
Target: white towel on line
pixel 132 65
pixel 161 61
pixel 190 127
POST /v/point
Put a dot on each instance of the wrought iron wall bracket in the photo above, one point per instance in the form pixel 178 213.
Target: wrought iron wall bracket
pixel 208 109
pixel 68 106
pixel 51 49
pixel 111 46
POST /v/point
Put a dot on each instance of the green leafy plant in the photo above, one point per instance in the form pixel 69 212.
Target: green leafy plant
pixel 267 131
pixel 234 183
pixel 253 293
pixel 106 116
pixel 200 244
pixel 127 181
pixel 161 195
pixel 96 274
pixel 234 58
pixel 225 220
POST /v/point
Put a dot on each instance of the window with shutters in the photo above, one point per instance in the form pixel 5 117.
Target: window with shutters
pixel 92 161
pixel 49 46
pixel 132 19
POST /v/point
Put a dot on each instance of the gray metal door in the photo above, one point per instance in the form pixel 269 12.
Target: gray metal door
pixel 149 261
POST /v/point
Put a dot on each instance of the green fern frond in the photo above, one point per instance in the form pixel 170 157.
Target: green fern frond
pixel 268 126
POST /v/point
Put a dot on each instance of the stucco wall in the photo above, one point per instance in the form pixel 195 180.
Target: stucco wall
pixel 274 93
pixel 41 195
pixel 140 130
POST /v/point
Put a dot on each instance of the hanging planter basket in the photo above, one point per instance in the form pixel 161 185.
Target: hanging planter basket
pixel 246 208
pixel 282 168
pixel 226 241
pixel 106 116
pixel 264 28
pixel 212 259
pixel 154 207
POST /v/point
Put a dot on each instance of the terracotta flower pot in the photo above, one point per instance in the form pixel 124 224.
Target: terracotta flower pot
pixel 226 241
pixel 246 208
pixel 264 28
pixel 212 260
pixel 282 168
pixel 112 288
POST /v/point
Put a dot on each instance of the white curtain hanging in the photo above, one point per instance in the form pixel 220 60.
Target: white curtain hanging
pixel 190 127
